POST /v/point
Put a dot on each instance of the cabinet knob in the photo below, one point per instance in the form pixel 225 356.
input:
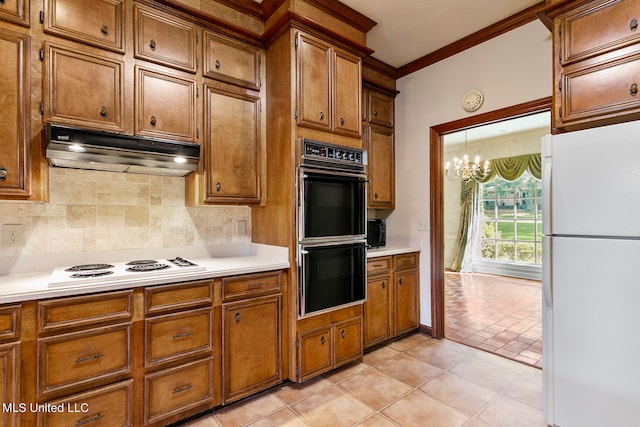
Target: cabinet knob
pixel 3 173
pixel 152 44
pixel 217 64
pixel 384 285
pixel 322 340
pixel 375 113
pixel 343 334
pixel 341 121
pixel 103 111
pixel 153 120
pixel 400 281
pixel 104 29
pixel 237 317
pixel 218 187
pixel 321 115
pixel 633 25
pixel 633 90
pixel 375 195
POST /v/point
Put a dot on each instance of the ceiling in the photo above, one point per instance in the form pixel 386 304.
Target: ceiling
pixel 410 29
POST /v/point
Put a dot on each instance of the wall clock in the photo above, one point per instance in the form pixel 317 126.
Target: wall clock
pixel 472 100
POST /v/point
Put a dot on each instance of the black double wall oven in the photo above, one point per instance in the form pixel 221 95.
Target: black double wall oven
pixel 331 227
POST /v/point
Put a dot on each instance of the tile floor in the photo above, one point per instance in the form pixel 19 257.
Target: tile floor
pixel 499 314
pixel 415 381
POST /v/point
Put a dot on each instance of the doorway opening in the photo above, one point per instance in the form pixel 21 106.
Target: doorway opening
pixel 478 305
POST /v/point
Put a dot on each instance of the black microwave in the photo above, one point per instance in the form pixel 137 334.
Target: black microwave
pixel 376 233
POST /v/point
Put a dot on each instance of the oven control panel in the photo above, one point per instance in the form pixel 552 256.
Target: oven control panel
pixel 333 153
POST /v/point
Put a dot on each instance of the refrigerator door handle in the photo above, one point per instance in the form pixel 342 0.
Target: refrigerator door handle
pixel 547 286
pixel 546 196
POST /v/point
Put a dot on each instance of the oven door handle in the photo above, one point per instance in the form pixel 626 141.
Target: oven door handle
pixel 358 176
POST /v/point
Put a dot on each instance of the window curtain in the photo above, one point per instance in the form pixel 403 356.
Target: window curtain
pixel 509 168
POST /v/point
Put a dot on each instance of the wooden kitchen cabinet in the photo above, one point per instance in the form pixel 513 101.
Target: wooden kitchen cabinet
pixel 229 60
pixel 329 87
pixel 15 11
pixel 596 63
pixel 379 141
pixel 251 317
pixel 95 22
pixel 165 39
pixel 83 89
pixel 165 105
pixel 15 126
pixel 10 366
pixel 329 346
pixel 392 307
pixel 232 147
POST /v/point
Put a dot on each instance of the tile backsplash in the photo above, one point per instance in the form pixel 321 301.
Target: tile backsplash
pixel 94 211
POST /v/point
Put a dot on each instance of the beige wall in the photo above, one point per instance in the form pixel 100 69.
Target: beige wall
pixel 510 69
pixel 93 211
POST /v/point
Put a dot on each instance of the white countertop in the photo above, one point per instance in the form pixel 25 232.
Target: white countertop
pixel 391 250
pixel 31 286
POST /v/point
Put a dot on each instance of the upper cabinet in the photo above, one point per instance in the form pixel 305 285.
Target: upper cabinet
pixel 596 63
pixel 164 39
pixel 95 22
pixel 16 11
pixel 329 85
pixel 15 124
pixel 229 60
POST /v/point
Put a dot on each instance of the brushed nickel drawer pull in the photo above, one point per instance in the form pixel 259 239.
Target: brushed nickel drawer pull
pixel 181 389
pixel 255 285
pixel 633 25
pixel 186 334
pixel 89 420
pixel 633 90
pixel 87 358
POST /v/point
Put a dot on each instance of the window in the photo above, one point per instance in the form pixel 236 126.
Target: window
pixel 511 220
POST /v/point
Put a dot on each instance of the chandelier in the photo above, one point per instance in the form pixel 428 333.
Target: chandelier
pixel 463 169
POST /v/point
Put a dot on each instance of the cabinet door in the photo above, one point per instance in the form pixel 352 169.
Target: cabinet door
pixel 95 22
pixel 229 60
pixel 315 352
pixel 15 122
pixel 314 90
pixel 407 312
pixel 251 346
pixel 380 109
pixel 348 341
pixel 16 11
pixel 9 382
pixel 232 146
pixel 165 106
pixel 378 312
pixel 347 75
pixel 83 89
pixel 381 167
pixel 164 39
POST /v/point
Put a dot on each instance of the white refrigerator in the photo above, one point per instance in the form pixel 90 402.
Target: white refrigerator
pixel 591 277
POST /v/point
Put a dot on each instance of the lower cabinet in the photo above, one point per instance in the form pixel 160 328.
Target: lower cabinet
pixel 9 382
pixel 392 307
pixel 327 347
pixel 251 318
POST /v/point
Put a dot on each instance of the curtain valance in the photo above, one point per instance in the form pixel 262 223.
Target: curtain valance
pixel 510 168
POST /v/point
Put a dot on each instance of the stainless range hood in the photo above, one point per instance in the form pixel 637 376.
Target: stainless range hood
pixel 70 147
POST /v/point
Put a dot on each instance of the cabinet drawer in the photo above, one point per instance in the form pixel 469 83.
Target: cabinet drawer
pixel 165 106
pixel 381 109
pixel 83 358
pixel 617 26
pixel 229 60
pixel 16 11
pixel 239 287
pixel 84 310
pixel 602 90
pixel 95 22
pixel 175 390
pixel 379 265
pixel 9 322
pixel 177 335
pixel 83 89
pixel 407 261
pixel 348 336
pixel 102 407
pixel 164 39
pixel 158 299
